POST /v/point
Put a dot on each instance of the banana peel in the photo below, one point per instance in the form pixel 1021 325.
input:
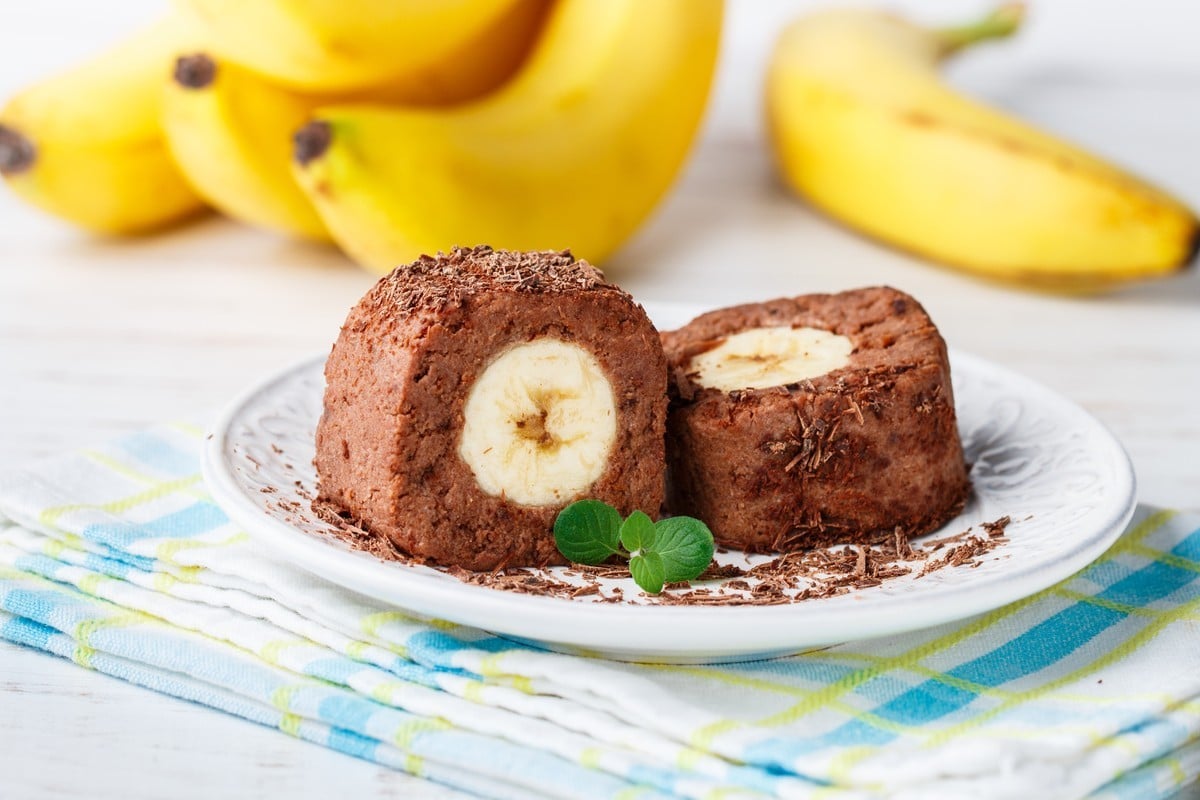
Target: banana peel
pixel 573 153
pixel 863 126
pixel 87 145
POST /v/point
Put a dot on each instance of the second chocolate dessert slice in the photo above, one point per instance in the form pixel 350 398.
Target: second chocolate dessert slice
pixel 814 420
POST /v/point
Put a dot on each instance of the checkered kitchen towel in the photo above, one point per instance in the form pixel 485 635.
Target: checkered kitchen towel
pixel 118 559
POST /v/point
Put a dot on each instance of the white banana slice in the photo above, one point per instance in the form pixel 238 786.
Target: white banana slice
pixel 539 424
pixel 761 357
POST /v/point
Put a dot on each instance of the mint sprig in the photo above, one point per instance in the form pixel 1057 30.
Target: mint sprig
pixel 670 550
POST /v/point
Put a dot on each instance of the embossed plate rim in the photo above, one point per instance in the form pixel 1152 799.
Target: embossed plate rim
pixel 682 633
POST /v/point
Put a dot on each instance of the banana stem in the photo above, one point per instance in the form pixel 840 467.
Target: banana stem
pixel 195 71
pixel 1001 22
pixel 311 141
pixel 17 153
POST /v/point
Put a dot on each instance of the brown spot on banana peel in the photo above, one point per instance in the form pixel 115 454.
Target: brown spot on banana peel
pixel 17 153
pixel 195 71
pixel 311 142
pixel 920 119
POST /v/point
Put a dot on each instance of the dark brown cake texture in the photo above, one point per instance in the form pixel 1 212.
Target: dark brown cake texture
pixel 859 454
pixel 400 374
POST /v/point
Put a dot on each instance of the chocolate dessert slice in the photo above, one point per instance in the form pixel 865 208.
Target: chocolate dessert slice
pixel 814 420
pixel 472 395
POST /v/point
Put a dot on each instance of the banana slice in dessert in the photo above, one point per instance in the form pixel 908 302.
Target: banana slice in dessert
pixel 761 357
pixel 539 424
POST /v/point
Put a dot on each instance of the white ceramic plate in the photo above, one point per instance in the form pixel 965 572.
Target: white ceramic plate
pixel 1062 477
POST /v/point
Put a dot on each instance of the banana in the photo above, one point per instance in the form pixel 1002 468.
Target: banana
pixel 862 125
pixel 539 423
pixel 442 51
pixel 87 146
pixel 230 128
pixel 759 358
pixel 230 132
pixel 574 152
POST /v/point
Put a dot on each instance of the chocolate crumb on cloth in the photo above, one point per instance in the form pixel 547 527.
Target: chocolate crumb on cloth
pixel 861 447
pixel 471 395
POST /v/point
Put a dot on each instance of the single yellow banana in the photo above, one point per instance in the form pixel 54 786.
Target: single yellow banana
pixel 574 152
pixel 863 126
pixel 457 48
pixel 86 145
pixel 231 129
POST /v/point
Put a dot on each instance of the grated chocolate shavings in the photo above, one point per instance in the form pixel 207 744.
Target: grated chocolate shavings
pixel 446 279
pixel 788 578
pixel 718 571
pixel 996 527
pixel 354 534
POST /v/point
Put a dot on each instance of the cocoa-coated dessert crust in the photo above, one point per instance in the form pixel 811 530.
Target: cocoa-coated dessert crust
pixel 398 377
pixel 855 455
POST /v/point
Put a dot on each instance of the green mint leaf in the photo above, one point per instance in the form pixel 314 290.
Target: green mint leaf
pixel 588 532
pixel 685 546
pixel 636 531
pixel 648 573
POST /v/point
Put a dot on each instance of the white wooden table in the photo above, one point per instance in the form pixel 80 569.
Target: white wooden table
pixel 99 337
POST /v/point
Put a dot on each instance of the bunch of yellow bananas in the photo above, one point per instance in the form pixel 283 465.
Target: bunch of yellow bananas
pixel 864 128
pixel 559 123
pixel 393 128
